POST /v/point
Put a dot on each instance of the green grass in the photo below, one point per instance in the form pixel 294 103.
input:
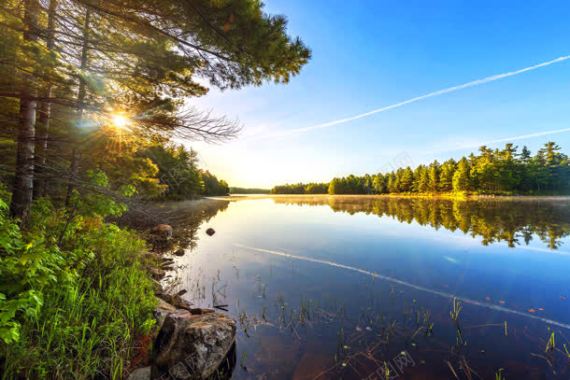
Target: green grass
pixel 86 329
pixel 93 298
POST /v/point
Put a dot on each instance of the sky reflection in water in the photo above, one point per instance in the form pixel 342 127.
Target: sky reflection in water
pixel 320 314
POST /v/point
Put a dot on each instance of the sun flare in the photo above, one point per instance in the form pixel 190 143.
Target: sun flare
pixel 120 121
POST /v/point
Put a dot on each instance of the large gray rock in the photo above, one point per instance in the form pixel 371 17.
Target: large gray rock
pixel 192 346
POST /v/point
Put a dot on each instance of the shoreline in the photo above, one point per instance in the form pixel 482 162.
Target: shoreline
pixel 169 228
pixel 445 196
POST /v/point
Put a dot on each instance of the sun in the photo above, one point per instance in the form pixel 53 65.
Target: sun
pixel 120 121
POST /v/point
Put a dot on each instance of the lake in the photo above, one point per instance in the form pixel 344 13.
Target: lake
pixel 377 287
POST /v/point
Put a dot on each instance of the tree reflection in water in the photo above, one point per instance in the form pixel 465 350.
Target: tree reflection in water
pixel 513 221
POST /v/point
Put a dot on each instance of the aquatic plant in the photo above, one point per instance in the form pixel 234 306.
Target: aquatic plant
pixel 455 309
pixel 551 343
pixel 450 366
pixel 499 374
pixel 427 323
pixel 386 371
pixel 244 322
pixel 459 339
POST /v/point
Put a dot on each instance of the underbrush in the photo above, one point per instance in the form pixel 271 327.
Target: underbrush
pixel 74 297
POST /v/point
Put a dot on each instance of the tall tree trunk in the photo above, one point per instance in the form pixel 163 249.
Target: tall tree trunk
pixel 24 181
pixel 75 154
pixel 40 180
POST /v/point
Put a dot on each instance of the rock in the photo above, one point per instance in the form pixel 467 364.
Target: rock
pixel 210 231
pixel 192 346
pixel 162 304
pixel 179 252
pixel 162 310
pixel 140 374
pixel 161 232
pixel 176 300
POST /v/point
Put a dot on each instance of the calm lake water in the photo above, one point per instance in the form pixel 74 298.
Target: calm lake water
pixel 365 288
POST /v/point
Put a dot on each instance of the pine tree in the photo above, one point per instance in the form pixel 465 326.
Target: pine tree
pixel 446 176
pixel 461 180
pixel 507 175
pixel 433 177
pixel 392 183
pixel 379 184
pixel 406 180
pixel 421 179
pixel 23 184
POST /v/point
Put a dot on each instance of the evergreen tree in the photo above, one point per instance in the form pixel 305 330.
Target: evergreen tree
pixel 392 183
pixel 421 179
pixel 28 93
pixel 433 177
pixel 461 180
pixel 446 176
pixel 406 179
pixel 507 172
pixel 379 184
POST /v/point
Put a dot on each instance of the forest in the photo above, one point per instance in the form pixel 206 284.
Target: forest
pixel 493 171
pixel 96 118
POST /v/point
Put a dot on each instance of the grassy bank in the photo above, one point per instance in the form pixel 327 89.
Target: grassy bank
pixel 75 300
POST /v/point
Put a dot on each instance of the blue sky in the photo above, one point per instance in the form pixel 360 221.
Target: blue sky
pixel 370 54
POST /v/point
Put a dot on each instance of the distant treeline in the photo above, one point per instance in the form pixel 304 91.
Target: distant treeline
pixel 499 171
pixel 245 190
pixel 301 188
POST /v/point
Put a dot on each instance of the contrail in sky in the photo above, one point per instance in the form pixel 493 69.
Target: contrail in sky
pixel 444 91
pixel 420 288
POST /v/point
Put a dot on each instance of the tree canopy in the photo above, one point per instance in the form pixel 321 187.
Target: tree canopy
pixel 76 75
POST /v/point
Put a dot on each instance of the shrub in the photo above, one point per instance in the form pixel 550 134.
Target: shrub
pixel 73 293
